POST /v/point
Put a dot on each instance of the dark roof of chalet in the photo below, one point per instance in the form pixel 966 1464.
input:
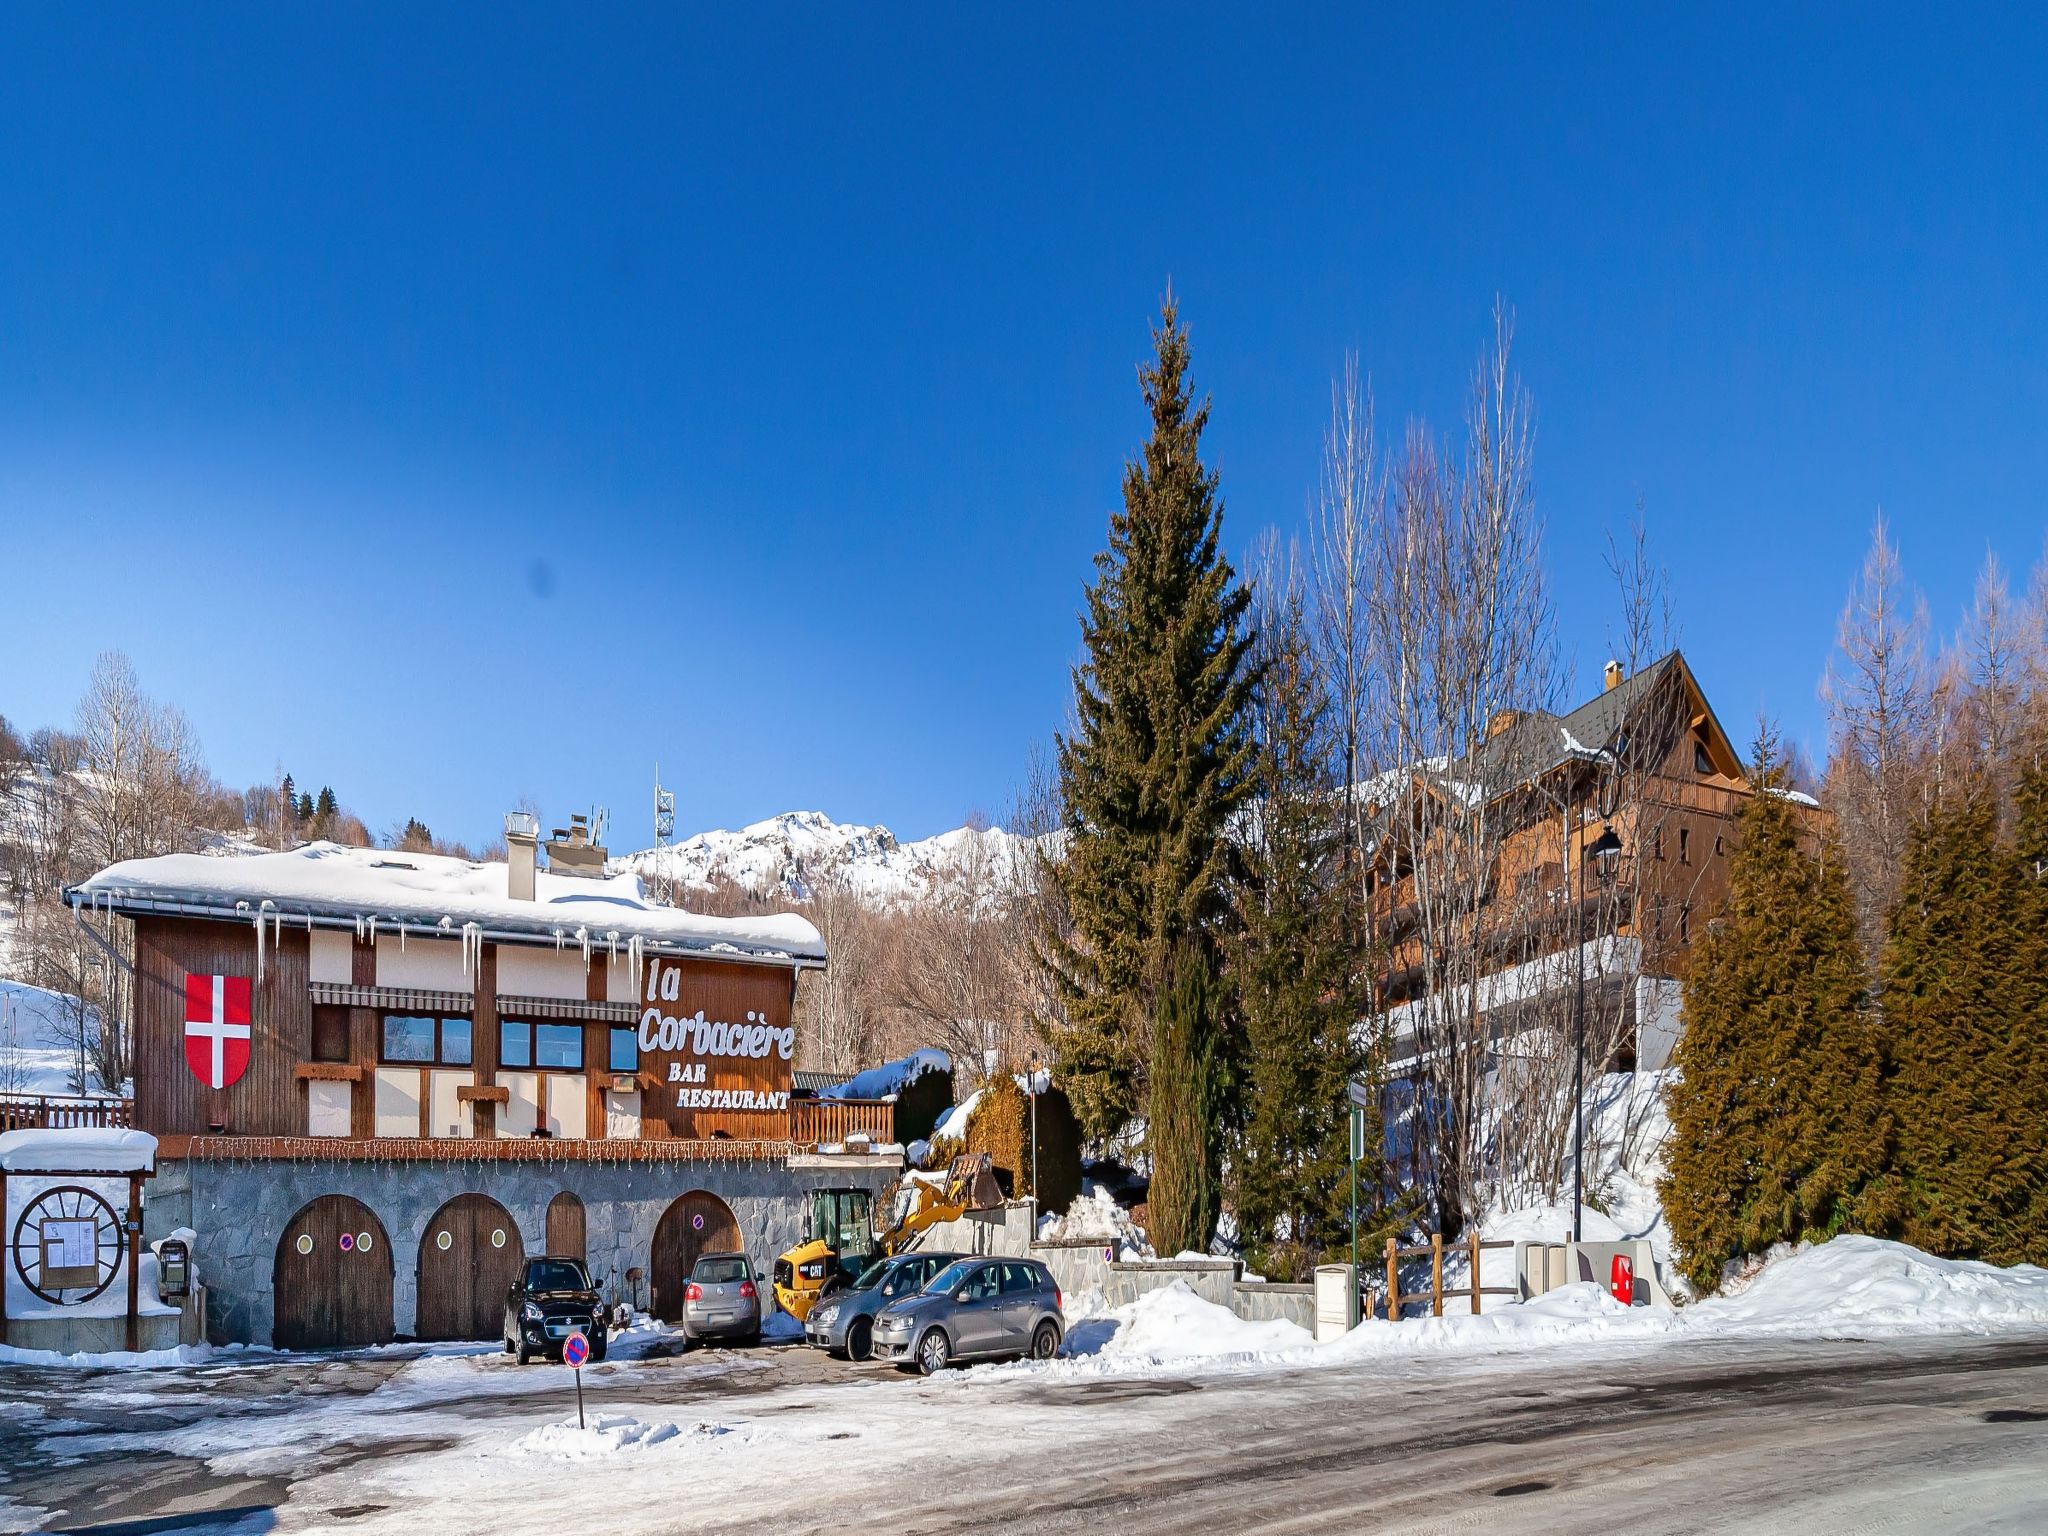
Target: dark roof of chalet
pixel 811 1082
pixel 1538 741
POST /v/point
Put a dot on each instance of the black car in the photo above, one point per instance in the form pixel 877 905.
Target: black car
pixel 554 1298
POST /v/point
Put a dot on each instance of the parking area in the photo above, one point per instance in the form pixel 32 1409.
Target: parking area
pixel 66 1435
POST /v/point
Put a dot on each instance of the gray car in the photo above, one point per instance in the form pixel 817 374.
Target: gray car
pixel 974 1309
pixel 722 1300
pixel 844 1322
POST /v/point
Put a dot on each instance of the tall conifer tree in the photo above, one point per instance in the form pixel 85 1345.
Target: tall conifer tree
pixel 1181 1133
pixel 1955 998
pixel 1158 759
pixel 1294 969
pixel 1778 1125
pixel 2030 922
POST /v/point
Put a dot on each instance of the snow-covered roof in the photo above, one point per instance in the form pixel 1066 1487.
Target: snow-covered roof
pixel 78 1149
pixel 891 1078
pixel 328 885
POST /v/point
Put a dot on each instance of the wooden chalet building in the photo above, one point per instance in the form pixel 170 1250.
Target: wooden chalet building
pixel 1647 761
pixel 380 1079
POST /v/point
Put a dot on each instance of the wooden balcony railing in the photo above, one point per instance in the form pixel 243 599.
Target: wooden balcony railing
pixel 816 1122
pixel 47 1114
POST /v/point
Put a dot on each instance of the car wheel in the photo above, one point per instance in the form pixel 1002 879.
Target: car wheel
pixel 1045 1343
pixel 860 1340
pixel 597 1350
pixel 934 1353
pixel 507 1342
pixel 522 1354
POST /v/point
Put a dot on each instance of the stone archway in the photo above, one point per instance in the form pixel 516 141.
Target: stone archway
pixel 696 1223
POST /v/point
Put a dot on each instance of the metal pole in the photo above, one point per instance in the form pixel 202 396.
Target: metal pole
pixel 1352 1138
pixel 1033 1080
pixel 1579 1046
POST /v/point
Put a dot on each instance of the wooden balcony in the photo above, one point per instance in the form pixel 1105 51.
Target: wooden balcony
pixel 825 1122
pixel 47 1114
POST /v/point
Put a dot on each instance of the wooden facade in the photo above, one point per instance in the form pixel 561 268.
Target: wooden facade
pixel 317 1070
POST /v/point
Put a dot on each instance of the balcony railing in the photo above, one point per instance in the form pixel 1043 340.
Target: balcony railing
pixel 47 1114
pixel 825 1122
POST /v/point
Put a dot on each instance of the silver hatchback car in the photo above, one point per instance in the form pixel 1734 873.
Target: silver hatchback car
pixel 721 1300
pixel 974 1309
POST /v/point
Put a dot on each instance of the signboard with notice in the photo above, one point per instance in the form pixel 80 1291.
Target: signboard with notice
pixel 69 1252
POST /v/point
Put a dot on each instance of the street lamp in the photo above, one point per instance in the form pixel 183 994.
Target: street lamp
pixel 1606 848
pixel 1032 1080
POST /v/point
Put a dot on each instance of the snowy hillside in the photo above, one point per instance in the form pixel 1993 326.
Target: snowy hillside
pixel 791 854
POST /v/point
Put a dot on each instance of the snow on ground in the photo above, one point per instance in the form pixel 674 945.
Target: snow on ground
pixel 34 1025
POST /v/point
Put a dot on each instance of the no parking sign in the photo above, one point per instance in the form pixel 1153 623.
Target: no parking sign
pixel 576 1350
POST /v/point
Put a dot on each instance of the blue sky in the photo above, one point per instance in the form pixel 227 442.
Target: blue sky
pixel 455 410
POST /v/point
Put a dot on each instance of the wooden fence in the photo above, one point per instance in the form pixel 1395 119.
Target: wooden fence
pixel 1433 1250
pixel 813 1122
pixel 46 1114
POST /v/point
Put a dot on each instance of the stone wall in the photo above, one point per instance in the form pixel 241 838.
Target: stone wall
pixel 239 1211
pixel 1264 1302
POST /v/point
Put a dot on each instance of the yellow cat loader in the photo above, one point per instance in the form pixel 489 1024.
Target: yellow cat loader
pixel 839 1236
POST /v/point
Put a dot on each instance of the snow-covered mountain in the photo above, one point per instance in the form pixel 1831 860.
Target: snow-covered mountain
pixel 791 854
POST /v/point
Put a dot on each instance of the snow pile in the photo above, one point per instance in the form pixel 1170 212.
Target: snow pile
pixel 78 1149
pixel 1174 1324
pixel 1095 1217
pixel 1868 1285
pixel 610 1434
pixel 891 1078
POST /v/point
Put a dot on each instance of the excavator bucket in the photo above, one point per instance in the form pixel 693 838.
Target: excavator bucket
pixel 971 1183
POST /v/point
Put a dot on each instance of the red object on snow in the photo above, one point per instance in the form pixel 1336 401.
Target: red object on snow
pixel 217 1028
pixel 1622 1280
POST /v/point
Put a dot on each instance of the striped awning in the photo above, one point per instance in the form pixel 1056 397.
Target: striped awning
pixel 424 1000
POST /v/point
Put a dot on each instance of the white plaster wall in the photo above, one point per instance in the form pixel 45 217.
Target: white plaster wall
pixel 431 964
pixel 332 957
pixel 541 973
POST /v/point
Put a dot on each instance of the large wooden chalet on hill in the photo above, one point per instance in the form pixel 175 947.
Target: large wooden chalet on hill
pixel 378 1080
pixel 1642 783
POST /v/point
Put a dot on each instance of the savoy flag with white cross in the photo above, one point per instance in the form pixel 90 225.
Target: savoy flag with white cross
pixel 217 1028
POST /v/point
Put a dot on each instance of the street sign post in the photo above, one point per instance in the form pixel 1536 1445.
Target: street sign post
pixel 576 1350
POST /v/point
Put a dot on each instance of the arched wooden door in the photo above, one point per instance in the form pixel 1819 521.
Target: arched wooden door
pixel 698 1222
pixel 470 1256
pixel 565 1226
pixel 332 1281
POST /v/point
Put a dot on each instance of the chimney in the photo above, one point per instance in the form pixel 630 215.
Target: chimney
pixel 1613 675
pixel 522 853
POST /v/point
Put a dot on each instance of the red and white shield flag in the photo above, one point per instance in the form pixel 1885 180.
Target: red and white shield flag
pixel 217 1028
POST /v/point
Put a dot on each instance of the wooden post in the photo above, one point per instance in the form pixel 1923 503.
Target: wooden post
pixel 134 1262
pixel 1436 1274
pixel 1393 1281
pixel 1475 1270
pixel 3 1275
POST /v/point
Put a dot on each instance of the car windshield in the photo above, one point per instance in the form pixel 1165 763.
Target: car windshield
pixel 556 1275
pixel 872 1275
pixel 720 1271
pixel 950 1277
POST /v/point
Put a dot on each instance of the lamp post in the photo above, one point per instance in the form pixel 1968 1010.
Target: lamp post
pixel 1605 847
pixel 1032 1080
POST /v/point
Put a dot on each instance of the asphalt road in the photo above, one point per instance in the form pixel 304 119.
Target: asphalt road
pixel 1694 1436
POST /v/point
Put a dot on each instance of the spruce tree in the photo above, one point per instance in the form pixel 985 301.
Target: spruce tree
pixel 1157 761
pixel 1955 998
pixel 1778 1125
pixel 2030 1002
pixel 1295 975
pixel 1180 1133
